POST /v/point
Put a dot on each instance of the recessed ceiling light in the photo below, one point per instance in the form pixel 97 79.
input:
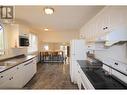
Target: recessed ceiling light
pixel 46 29
pixel 48 11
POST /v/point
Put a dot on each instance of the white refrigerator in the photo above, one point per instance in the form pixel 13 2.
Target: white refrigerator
pixel 77 52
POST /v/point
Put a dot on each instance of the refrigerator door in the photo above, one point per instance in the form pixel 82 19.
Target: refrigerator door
pixel 77 52
pixel 79 47
pixel 73 71
pixel 81 56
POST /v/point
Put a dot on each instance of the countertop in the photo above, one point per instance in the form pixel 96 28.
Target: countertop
pixel 99 79
pixel 12 62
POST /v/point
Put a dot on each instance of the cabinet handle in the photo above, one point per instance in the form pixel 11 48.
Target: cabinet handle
pixel 1 76
pixel 11 78
pixel 28 63
pixel 105 28
pixel 116 63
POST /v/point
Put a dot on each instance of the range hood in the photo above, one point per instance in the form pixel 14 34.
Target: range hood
pixel 116 36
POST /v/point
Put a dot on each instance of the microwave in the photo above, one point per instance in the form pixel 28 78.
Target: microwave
pixel 23 41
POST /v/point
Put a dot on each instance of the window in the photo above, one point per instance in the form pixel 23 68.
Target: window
pixel 33 43
pixel 1 40
pixel 46 47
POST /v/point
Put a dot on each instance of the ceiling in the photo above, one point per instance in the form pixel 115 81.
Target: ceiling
pixel 65 18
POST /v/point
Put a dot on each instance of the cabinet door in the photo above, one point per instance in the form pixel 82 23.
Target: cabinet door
pixel 17 77
pixel 23 30
pixel 102 22
pixel 34 69
pixel 3 79
pixel 12 35
pixel 12 78
pixel 117 16
pixel 28 71
pixel 9 77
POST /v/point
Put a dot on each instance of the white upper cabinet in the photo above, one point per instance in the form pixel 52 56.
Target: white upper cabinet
pixel 102 22
pixel 118 34
pixel 110 19
pixel 13 32
pixel 23 30
pixel 118 21
pixel 12 35
pixel 118 16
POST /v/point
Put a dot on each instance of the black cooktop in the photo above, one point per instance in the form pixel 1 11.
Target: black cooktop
pixel 100 79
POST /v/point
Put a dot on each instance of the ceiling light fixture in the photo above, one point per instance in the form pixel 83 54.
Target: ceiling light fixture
pixel 46 29
pixel 48 11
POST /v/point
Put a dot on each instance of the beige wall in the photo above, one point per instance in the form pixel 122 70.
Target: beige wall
pixel 56 37
pixel 61 36
pixel 53 46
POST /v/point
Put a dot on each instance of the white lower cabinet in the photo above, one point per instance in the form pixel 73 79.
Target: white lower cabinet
pixel 29 69
pixel 82 79
pixel 18 76
pixel 11 78
pixel 119 75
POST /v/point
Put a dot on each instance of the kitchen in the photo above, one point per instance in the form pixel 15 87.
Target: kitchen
pixel 71 47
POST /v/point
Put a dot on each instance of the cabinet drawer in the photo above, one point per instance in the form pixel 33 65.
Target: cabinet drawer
pixel 120 66
pixel 119 75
